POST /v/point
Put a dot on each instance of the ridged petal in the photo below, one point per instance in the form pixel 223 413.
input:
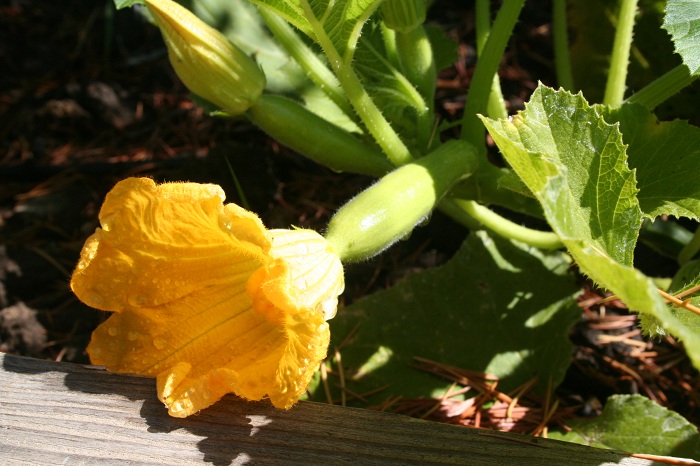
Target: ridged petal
pixel 156 238
pixel 316 273
pixel 205 299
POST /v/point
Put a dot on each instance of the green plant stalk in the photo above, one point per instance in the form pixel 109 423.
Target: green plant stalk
pixel 619 60
pixel 562 58
pixel 310 135
pixel 496 107
pixel 315 69
pixel 690 249
pixel 485 96
pixel 415 54
pixel 371 116
pixel 475 216
pixel 486 67
pixel 662 88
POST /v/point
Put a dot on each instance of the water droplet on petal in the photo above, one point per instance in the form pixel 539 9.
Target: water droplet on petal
pixel 137 300
pixel 160 343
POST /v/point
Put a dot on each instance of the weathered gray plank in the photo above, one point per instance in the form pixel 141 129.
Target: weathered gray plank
pixel 57 413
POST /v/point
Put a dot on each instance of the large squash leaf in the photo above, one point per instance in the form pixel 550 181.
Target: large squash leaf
pixel 576 166
pixel 666 159
pixel 496 307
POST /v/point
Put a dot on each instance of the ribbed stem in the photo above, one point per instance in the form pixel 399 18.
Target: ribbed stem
pixel 475 216
pixel 562 58
pixel 477 98
pixel 617 76
pixel 662 88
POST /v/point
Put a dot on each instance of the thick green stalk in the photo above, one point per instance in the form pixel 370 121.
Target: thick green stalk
pixel 663 87
pixel 390 142
pixel 560 31
pixel 314 137
pixel 486 67
pixel 617 75
pixel 496 107
pixel 315 69
pixel 475 216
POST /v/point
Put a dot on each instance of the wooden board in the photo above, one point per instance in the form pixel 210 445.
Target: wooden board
pixel 58 413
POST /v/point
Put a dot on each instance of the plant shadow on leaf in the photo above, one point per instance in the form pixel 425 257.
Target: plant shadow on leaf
pixel 496 307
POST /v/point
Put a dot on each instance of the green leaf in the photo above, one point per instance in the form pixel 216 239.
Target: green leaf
pixel 682 21
pixel 636 424
pixel 319 103
pixel 665 158
pixel 495 307
pixel 127 3
pixel 575 165
pixel 330 23
pixel 391 91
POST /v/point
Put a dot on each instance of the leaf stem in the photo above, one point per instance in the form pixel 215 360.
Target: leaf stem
pixel 663 87
pixel 475 216
pixel 617 76
pixel 486 67
pixel 562 58
pixel 496 107
pixel 392 146
pixel 315 69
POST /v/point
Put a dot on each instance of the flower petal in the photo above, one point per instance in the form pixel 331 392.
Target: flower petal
pixel 154 239
pixel 219 345
pixel 206 300
pixel 299 290
pixel 316 273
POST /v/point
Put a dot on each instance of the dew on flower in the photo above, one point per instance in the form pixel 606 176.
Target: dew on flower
pixel 160 343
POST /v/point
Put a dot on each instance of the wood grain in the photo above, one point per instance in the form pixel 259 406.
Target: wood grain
pixel 58 413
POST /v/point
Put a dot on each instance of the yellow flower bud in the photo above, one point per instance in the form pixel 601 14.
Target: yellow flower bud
pixel 206 61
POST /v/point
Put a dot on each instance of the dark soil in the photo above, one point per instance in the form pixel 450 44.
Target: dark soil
pixel 87 98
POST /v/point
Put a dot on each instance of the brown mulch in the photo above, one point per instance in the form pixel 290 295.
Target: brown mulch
pixel 87 97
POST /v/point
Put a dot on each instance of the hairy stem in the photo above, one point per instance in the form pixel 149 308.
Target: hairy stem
pixel 617 76
pixel 562 59
pixel 662 88
pixel 475 216
pixel 315 69
pixel 496 107
pixel 392 146
pixel 477 98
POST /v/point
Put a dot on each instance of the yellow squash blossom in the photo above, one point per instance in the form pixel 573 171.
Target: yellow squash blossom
pixel 204 297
